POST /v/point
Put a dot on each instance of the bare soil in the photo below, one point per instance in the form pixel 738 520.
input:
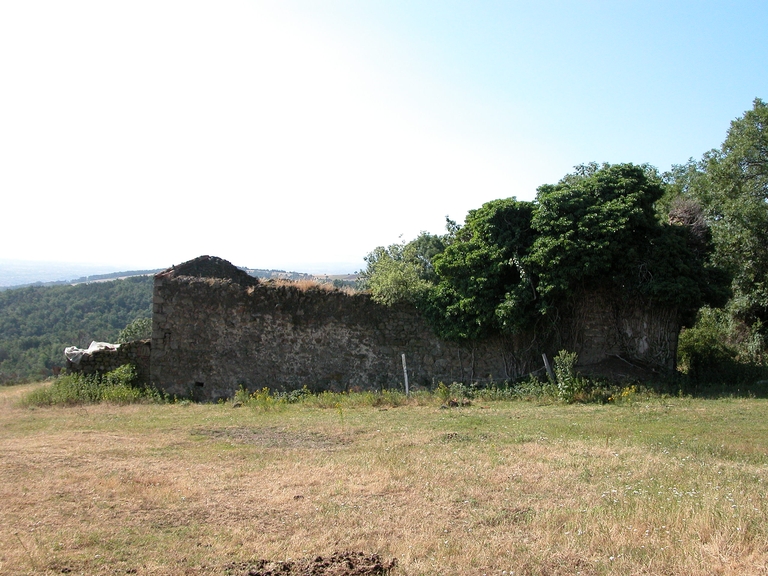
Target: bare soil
pixel 338 564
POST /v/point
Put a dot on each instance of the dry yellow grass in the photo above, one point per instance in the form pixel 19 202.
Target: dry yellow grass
pixel 306 284
pixel 675 487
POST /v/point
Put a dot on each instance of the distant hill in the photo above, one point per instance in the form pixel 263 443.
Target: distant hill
pixel 38 322
pixel 24 272
pixel 87 279
pixel 21 274
pixel 277 274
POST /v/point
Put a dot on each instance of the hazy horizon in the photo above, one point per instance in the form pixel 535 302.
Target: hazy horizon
pixel 20 272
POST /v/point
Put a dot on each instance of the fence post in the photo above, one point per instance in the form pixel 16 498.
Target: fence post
pixel 405 374
pixel 550 373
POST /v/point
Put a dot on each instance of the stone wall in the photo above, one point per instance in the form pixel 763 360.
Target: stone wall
pixel 212 335
pixel 601 325
pixel 101 361
pixel 216 329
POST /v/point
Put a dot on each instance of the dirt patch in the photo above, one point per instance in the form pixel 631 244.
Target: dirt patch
pixel 274 438
pixel 338 564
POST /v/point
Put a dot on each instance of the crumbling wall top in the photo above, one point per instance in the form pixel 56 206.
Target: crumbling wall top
pixel 210 267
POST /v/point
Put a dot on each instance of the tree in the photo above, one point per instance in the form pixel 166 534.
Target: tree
pixel 736 200
pixel 482 285
pixel 598 228
pixel 139 329
pixel 730 184
pixel 402 272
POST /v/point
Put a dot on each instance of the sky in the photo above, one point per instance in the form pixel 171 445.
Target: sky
pixel 300 135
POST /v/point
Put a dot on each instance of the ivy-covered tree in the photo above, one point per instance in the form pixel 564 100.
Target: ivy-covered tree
pixel 513 262
pixel 598 229
pixel 482 286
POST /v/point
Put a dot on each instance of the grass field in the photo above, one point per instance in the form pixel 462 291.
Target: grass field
pixel 647 486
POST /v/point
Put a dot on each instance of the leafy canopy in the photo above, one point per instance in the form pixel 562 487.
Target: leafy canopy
pixel 513 262
pixel 736 199
pixel 730 184
pixel 598 228
pixel 401 272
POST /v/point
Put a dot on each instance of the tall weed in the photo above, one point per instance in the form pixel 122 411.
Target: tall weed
pixel 118 386
pixel 262 399
pixel 569 384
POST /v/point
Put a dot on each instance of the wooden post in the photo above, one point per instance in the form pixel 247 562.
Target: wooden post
pixel 405 374
pixel 550 373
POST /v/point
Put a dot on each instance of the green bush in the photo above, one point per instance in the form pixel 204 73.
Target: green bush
pixel 139 329
pixel 569 384
pixel 702 351
pixel 295 396
pixel 118 386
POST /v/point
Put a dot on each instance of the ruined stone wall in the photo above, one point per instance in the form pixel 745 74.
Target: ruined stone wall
pixel 601 325
pixel 211 336
pixel 216 329
pixel 101 361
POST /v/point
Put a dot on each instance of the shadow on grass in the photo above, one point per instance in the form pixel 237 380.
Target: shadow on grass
pixel 727 379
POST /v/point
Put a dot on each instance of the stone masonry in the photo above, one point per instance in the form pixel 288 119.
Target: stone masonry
pixel 216 329
pixel 102 361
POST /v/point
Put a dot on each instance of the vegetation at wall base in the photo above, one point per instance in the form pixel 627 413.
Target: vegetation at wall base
pixel 117 387
pixel 569 387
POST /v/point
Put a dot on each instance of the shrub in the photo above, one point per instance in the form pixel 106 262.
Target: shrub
pixel 118 386
pixel 262 399
pixel 532 388
pixel 139 329
pixel 569 384
pixel 295 396
pixel 703 352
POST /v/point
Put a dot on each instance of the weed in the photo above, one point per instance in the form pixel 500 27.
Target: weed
pixel 443 392
pixel 295 396
pixel 118 387
pixel 569 383
pixel 262 399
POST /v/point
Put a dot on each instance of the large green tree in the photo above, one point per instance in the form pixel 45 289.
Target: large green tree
pixel 735 196
pixel 402 272
pixel 514 263
pixel 599 228
pixel 730 184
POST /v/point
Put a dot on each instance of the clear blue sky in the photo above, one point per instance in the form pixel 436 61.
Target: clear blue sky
pixel 302 134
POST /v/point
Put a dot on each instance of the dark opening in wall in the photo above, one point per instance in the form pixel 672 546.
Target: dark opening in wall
pixel 199 384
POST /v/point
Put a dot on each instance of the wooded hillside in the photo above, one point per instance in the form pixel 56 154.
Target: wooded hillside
pixel 37 323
